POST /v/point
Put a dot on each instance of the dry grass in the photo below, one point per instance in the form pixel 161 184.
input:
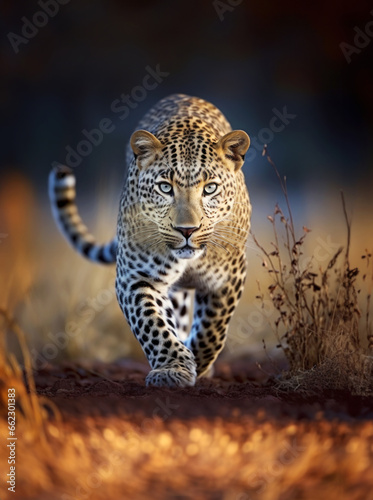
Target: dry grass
pixel 31 409
pixel 319 323
pixel 16 280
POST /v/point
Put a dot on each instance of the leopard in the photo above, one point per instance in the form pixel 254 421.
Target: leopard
pixel 183 222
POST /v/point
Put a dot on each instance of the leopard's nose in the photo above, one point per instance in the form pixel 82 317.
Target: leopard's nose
pixel 186 231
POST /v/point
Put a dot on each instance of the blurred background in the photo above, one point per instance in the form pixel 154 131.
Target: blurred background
pixel 296 77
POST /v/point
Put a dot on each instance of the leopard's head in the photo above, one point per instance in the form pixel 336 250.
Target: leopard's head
pixel 187 189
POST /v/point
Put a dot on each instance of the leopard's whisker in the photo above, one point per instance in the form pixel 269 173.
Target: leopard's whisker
pixel 224 240
pixel 233 227
pixel 225 219
pixel 143 214
pixel 246 245
pixel 219 245
pixel 156 242
pixel 226 235
pixel 228 232
pixel 148 232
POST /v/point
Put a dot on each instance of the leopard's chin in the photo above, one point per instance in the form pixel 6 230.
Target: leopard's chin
pixel 188 252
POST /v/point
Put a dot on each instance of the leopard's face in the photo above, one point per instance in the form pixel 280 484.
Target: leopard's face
pixel 187 199
pixel 186 215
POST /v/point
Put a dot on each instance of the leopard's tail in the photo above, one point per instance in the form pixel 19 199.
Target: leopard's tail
pixel 65 212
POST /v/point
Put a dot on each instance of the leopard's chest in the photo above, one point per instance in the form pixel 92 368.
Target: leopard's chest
pixel 205 274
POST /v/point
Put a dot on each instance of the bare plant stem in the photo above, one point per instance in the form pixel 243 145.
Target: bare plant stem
pixel 321 318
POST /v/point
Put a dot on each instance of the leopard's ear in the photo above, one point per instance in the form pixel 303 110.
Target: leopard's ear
pixel 233 147
pixel 145 147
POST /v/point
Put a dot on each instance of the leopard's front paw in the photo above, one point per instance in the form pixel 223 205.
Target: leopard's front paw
pixel 173 374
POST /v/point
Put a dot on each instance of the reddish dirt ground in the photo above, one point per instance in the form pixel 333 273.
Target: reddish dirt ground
pixel 104 390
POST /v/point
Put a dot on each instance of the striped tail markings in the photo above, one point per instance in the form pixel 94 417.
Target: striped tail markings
pixel 62 196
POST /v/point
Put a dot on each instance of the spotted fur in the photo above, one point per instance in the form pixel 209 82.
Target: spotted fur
pixel 183 222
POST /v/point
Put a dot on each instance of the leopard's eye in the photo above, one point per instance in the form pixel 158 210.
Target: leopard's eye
pixel 165 187
pixel 210 188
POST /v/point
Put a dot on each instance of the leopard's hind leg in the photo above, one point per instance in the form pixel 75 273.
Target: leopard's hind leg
pixel 182 303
